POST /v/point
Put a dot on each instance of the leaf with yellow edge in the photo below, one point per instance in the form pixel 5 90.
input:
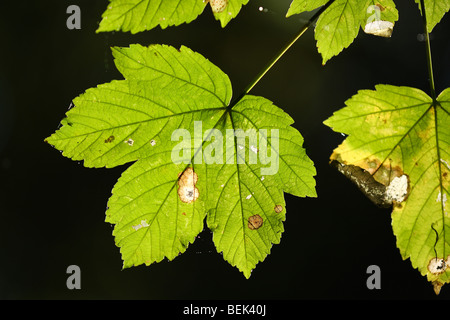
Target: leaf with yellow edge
pixel 398 153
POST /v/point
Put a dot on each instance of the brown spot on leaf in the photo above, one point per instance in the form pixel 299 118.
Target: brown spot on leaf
pixel 110 139
pixel 255 222
pixel 187 177
pixel 380 7
pixel 218 6
pixel 437 287
pixel 187 191
pixel 278 208
pixel 383 173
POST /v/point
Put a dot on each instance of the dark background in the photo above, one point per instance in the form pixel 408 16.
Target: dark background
pixel 52 209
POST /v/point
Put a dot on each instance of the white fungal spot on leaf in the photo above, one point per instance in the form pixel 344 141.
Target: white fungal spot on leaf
pixel 130 142
pixel 397 189
pixel 248 197
pixel 446 164
pixel 379 28
pixel 437 266
pixel 153 143
pixel 442 198
pixel 188 194
pixel 143 224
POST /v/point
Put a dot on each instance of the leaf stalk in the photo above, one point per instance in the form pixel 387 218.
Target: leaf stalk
pixel 428 52
pixel 281 53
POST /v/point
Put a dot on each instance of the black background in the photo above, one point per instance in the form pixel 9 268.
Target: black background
pixel 52 209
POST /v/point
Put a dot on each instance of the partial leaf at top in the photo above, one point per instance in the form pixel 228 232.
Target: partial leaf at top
pixel 140 15
pixel 435 9
pixel 226 10
pixel 299 6
pixel 382 10
pixel 339 24
pixel 194 157
pixel 398 153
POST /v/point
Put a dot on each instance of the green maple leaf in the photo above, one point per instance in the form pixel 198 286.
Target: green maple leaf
pixel 398 153
pixel 140 15
pixel 436 9
pixel 338 26
pixel 172 117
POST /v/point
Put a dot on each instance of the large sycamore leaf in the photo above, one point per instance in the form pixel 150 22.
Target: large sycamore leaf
pixel 435 9
pixel 140 15
pixel 338 26
pixel 195 155
pixel 398 153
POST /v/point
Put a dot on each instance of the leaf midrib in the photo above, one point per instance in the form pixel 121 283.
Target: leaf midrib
pixel 139 122
pixel 171 75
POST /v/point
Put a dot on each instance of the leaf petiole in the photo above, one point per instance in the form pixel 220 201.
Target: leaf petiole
pixel 428 51
pixel 281 53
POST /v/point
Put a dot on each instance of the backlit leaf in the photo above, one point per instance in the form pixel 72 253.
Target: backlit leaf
pixel 436 9
pixel 195 155
pixel 400 141
pixel 338 26
pixel 140 15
